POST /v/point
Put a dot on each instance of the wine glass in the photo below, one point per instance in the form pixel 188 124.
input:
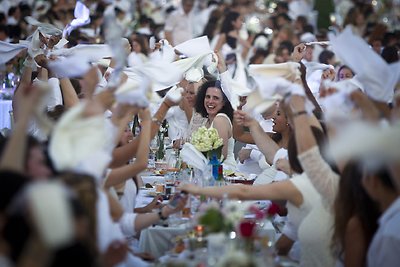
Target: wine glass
pixel 154 145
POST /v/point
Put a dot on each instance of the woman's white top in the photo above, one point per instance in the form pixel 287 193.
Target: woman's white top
pixel 297 214
pixel 128 199
pixel 230 162
pixel 315 229
pixel 270 173
pixel 178 123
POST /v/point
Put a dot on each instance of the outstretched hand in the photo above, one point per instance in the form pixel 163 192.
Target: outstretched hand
pixel 242 118
pixel 299 52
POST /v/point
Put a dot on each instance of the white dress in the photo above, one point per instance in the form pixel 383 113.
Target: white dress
pixel 325 180
pixel 128 199
pixel 230 162
pixel 315 232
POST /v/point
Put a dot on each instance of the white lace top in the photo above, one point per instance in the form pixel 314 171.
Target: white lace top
pixel 325 180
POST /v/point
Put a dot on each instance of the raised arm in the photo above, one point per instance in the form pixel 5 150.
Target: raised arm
pixel 124 153
pixel 320 173
pixel 240 135
pixel 221 41
pixel 70 98
pixel 263 141
pixel 284 190
pixel 23 84
pixel 14 154
pixel 121 174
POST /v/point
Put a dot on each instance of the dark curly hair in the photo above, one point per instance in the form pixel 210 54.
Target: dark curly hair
pixel 201 95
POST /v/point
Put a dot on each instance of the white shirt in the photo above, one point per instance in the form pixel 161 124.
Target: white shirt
pixel 180 25
pixel 385 246
pixel 178 123
pixel 252 165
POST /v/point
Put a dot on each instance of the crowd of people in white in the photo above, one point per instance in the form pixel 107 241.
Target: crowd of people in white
pixel 312 113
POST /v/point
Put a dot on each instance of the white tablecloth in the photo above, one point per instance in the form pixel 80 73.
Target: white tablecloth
pixel 5 119
pixel 158 240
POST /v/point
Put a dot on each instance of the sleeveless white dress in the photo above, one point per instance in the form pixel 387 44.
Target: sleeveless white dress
pixel 230 162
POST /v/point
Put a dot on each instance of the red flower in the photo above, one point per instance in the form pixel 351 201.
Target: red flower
pixel 273 209
pixel 246 228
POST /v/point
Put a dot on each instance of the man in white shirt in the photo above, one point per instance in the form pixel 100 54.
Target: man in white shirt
pixel 384 249
pixel 178 26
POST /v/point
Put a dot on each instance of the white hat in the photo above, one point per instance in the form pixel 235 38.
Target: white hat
pixel 308 37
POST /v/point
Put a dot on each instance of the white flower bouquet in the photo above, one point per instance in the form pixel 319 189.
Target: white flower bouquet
pixel 207 141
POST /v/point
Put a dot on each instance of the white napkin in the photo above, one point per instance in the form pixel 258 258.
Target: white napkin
pixel 194 47
pixel 373 72
pixel 82 17
pixel 92 52
pixel 51 213
pixel 134 93
pixel 193 157
pixel 166 53
pixel 175 94
pixel 373 143
pixel 81 143
pixel 74 66
pixel 162 75
pixel 187 65
pixel 233 89
pixel 288 70
pixel 8 51
pixel 44 28
pixel 315 66
pixel 270 90
pixel 338 107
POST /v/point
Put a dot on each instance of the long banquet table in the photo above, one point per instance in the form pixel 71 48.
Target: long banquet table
pixel 158 240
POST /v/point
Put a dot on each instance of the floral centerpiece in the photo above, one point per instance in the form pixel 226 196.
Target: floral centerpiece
pixel 208 142
pixel 217 219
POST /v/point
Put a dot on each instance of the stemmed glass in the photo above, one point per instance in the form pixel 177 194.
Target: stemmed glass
pixel 154 146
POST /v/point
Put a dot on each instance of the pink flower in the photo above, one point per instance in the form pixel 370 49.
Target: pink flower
pixel 257 212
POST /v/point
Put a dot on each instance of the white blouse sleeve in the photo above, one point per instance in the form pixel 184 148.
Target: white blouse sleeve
pixel 321 175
